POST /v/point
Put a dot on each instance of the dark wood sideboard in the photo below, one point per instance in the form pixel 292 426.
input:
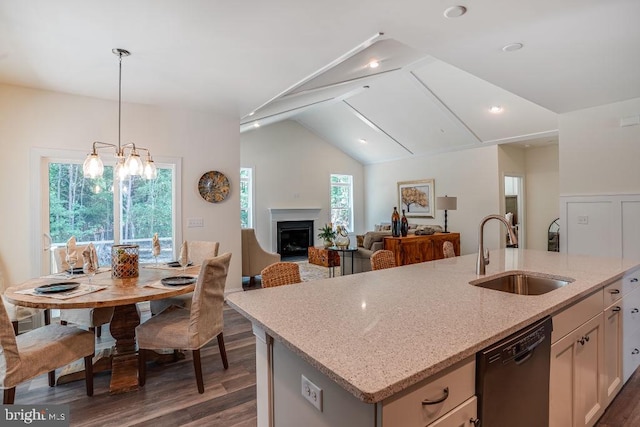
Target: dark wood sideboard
pixel 413 249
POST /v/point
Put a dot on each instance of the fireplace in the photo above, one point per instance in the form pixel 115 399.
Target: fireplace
pixel 294 238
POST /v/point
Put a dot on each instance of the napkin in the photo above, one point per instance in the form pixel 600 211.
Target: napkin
pixel 155 243
pixel 184 254
pixel 72 255
pixel 90 257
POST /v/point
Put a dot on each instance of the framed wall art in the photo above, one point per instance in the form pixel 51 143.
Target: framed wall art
pixel 417 198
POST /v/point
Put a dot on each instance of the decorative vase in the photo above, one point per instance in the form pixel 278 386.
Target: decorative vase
pixel 404 226
pixel 395 223
pixel 342 240
pixel 327 243
pixel 124 261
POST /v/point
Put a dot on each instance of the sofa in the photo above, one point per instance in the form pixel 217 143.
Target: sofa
pixel 372 241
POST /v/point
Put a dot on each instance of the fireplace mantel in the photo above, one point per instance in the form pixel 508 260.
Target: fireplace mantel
pixel 290 214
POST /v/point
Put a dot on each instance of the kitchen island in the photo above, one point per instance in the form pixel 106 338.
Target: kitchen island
pixel 380 334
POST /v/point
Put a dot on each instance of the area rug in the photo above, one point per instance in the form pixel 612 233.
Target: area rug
pixel 310 272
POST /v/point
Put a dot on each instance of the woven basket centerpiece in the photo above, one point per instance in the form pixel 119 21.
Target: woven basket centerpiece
pixel 124 261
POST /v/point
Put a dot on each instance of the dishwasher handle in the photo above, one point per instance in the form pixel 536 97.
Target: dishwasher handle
pixel 524 355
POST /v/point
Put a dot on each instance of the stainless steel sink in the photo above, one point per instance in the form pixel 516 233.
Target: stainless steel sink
pixel 522 283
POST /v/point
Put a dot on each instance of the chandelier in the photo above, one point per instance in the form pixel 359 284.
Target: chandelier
pixel 128 161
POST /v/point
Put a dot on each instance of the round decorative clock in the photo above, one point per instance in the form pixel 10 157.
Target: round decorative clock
pixel 213 186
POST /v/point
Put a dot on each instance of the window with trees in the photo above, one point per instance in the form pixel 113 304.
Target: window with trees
pixel 93 210
pixel 342 201
pixel 246 197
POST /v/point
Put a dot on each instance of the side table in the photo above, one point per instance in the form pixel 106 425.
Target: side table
pixel 344 251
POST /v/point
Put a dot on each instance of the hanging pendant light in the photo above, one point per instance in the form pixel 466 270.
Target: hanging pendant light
pixel 126 165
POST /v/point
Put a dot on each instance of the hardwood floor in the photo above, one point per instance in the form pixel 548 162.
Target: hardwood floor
pixel 170 396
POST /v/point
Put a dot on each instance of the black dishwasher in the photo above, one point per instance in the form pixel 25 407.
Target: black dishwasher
pixel 513 379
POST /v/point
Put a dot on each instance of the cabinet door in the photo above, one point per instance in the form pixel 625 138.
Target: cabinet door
pixel 612 351
pixel 589 360
pixel 464 415
pixel 411 252
pixel 577 363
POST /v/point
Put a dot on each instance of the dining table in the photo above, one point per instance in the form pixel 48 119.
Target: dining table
pixel 103 290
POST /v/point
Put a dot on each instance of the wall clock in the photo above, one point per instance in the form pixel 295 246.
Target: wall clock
pixel 213 186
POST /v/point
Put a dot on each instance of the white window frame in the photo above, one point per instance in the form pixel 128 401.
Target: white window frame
pixel 39 200
pixel 251 186
pixel 342 184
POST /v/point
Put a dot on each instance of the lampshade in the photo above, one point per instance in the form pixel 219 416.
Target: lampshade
pixel 447 203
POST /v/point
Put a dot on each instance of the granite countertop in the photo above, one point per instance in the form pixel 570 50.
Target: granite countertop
pixel 380 332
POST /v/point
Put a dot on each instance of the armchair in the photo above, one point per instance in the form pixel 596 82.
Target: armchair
pixel 254 258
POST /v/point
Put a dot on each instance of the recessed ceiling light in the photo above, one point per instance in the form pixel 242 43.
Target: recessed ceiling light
pixel 511 47
pixel 495 109
pixel 374 64
pixel 252 113
pixel 256 125
pixel 455 12
pixel 362 141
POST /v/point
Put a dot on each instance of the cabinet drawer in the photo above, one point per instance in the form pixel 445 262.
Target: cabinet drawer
pixel 631 312
pixel 463 415
pixel 621 287
pixel 406 408
pixel 630 354
pixel 575 315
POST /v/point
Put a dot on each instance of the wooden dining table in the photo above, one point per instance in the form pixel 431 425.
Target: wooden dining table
pixel 122 295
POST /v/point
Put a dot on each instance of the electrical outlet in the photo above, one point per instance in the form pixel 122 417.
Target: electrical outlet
pixel 583 219
pixel 195 222
pixel 312 393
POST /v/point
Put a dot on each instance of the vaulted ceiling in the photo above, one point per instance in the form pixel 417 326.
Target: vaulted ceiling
pixel 304 60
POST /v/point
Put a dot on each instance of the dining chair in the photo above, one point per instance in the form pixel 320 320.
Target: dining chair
pixel 448 250
pixel 92 318
pixel 189 329
pixel 382 259
pixel 199 250
pixel 41 350
pixel 280 273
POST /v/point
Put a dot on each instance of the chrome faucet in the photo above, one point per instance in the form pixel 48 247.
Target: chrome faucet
pixel 483 259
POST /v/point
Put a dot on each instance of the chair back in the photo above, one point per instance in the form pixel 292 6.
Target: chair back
pixel 382 259
pixel 199 250
pixel 448 250
pixel 280 273
pixel 208 299
pixel 254 258
pixel 9 356
pixel 60 256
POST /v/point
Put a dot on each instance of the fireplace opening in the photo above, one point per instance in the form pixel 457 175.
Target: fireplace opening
pixel 294 238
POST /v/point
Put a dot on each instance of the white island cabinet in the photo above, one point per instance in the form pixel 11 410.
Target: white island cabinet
pixel 397 347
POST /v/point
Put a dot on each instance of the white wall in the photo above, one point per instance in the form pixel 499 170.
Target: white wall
pixel 470 175
pixel 542 193
pixel 292 168
pixel 32 118
pixel 600 181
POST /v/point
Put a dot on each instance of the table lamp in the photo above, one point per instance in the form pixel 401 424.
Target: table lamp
pixel 446 203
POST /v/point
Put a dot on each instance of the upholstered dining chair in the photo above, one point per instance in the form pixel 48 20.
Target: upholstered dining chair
pixel 382 259
pixel 254 258
pixel 41 350
pixel 92 318
pixel 199 250
pixel 190 329
pixel 280 273
pixel 448 250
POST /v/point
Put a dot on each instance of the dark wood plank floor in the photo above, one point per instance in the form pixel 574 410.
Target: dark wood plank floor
pixel 170 397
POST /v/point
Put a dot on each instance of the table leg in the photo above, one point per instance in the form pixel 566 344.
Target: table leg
pixel 124 365
pixel 351 262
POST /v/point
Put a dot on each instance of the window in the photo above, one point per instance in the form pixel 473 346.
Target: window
pixel 92 211
pixel 342 201
pixel 246 197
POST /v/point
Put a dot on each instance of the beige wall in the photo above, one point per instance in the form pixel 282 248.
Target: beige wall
pixel 292 168
pixel 31 119
pixel 470 175
pixel 597 156
pixel 542 193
